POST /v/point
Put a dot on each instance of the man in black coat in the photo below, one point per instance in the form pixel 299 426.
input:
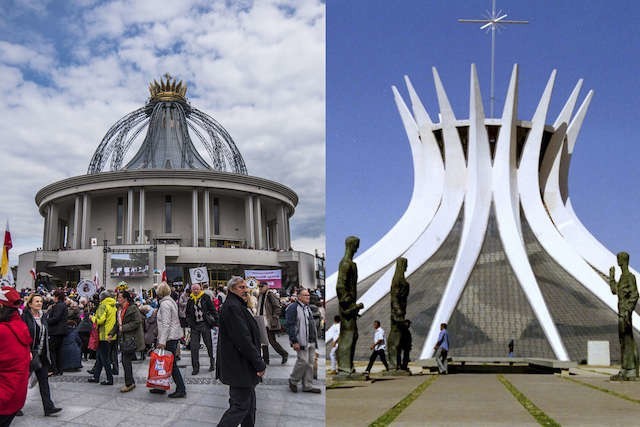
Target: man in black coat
pixel 57 324
pixel 240 365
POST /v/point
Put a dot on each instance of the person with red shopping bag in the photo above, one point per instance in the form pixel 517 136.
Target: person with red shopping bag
pixel 169 334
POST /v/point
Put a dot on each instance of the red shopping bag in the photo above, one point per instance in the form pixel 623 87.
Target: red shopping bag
pixel 94 338
pixel 160 368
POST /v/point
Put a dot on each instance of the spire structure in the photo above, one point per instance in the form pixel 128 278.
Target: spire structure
pixel 494 247
pixel 172 125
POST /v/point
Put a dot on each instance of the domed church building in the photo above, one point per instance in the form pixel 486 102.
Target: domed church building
pixel 183 200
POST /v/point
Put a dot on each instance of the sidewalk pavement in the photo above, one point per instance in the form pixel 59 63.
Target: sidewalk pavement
pixel 87 404
pixel 481 399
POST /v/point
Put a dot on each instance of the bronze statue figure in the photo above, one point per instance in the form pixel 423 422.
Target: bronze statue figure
pixel 627 292
pixel 399 297
pixel 346 289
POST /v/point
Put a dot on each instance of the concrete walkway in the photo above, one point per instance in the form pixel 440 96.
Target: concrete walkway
pixel 572 404
pixel 482 400
pixel 86 404
pixel 466 399
pixel 365 402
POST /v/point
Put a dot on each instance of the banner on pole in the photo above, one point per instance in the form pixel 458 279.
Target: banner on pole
pixel 272 277
pixel 199 275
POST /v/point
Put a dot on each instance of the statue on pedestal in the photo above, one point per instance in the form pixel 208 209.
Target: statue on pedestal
pixel 627 292
pixel 346 289
pixel 399 328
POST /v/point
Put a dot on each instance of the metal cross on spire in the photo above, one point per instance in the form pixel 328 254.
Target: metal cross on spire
pixel 491 22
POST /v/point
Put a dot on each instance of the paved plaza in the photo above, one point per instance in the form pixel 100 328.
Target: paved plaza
pixel 584 397
pixel 86 404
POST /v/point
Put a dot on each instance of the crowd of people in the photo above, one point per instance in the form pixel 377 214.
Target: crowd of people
pixel 51 332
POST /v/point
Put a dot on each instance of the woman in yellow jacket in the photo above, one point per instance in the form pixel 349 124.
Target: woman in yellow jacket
pixel 105 318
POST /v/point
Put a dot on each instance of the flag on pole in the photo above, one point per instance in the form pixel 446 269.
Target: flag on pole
pixel 96 280
pixel 33 273
pixel 5 270
pixel 164 275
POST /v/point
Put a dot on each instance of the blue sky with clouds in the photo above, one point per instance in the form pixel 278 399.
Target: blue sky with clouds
pixel 371 45
pixel 71 69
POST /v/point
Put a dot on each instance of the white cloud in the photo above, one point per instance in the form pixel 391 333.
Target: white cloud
pixel 308 244
pixel 257 68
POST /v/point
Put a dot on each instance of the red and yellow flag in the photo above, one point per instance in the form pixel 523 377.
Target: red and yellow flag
pixel 4 267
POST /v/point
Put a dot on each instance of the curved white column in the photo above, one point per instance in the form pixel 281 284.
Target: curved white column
pixel 439 227
pixel 538 219
pixel 477 204
pixel 594 252
pixel 548 227
pixel 428 172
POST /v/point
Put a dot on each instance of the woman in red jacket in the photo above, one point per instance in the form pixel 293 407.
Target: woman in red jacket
pixel 15 355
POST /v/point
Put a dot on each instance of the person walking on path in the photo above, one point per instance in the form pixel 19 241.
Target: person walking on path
pixel 239 363
pixel 15 348
pixel 442 349
pixel 130 334
pixel 269 307
pixel 105 318
pixel 303 339
pixel 378 348
pixel 169 334
pixel 40 360
pixel 199 307
pixel 57 324
pixel 331 336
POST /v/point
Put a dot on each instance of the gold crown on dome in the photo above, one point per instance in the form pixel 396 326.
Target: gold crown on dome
pixel 168 89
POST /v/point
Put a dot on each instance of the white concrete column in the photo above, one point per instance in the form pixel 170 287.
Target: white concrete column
pixel 287 230
pixel 54 228
pixel 141 216
pixel 45 231
pixel 86 205
pixel 129 230
pixel 249 222
pixel 76 223
pixel 194 216
pixel 258 223
pixel 207 218
pixel 282 240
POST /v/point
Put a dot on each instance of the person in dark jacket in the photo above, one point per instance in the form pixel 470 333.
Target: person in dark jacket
pixel 130 331
pixel 198 308
pixel 32 316
pixel 84 332
pixel 72 348
pixel 240 364
pixel 57 324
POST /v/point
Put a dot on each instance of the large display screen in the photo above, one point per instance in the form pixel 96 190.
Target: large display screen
pixel 130 265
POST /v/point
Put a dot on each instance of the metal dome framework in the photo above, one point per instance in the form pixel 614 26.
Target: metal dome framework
pixel 170 122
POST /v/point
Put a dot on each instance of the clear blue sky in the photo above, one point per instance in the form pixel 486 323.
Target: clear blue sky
pixel 371 45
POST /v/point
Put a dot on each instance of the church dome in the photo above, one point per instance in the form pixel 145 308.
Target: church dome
pixel 174 132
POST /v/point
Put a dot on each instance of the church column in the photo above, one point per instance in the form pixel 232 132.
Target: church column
pixel 141 217
pixel 194 216
pixel 129 231
pixel 282 229
pixel 45 231
pixel 207 219
pixel 76 223
pixel 249 222
pixel 86 204
pixel 54 228
pixel 287 231
pixel 258 223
